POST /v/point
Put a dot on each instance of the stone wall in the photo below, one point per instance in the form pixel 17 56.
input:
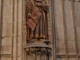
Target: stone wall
pixel 63 24
pixel 11 19
pixel 66 16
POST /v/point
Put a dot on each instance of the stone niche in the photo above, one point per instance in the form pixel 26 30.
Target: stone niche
pixel 13 30
pixel 40 56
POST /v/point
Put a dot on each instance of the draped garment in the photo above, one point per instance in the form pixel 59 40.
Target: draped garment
pixel 37 24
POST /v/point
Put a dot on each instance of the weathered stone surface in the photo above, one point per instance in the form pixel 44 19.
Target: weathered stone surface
pixel 5 58
pixel 72 58
pixel 6 50
pixel 19 50
pixel 69 21
pixel 59 19
pixel 7 27
pixel 61 58
pixel 14 29
pixel 0 13
pixel 0 10
pixel 0 23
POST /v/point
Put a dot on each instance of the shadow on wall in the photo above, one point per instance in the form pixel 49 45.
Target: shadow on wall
pixel 1 18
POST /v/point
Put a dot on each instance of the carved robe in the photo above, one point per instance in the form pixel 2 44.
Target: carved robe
pixel 36 22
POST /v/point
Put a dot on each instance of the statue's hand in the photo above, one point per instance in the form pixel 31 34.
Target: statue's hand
pixel 29 14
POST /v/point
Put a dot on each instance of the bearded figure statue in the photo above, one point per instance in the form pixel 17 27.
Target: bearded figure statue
pixel 37 25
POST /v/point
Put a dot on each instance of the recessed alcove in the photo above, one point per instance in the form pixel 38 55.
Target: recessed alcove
pixel 49 21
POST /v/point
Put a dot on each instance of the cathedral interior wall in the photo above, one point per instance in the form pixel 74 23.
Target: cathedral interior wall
pixel 63 24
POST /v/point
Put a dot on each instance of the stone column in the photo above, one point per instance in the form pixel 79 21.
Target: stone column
pixel 17 43
pixel 12 48
pixel 19 32
pixel 15 36
pixel 7 30
pixel 24 28
pixel 0 26
pixel 51 28
pixel 0 9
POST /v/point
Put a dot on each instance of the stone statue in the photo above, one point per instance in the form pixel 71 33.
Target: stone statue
pixel 37 20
